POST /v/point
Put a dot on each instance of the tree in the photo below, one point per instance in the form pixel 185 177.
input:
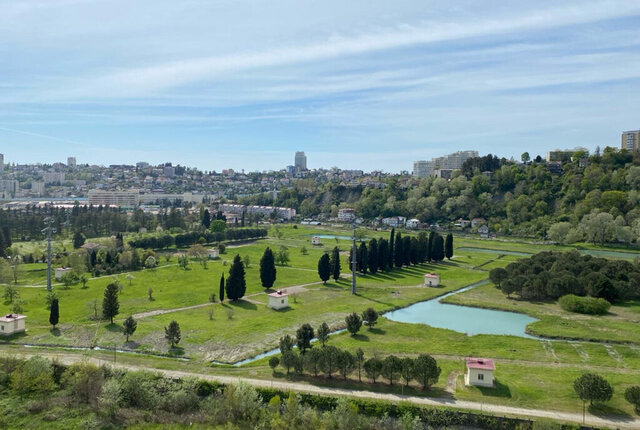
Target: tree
pixel 525 157
pixel 335 263
pixel 353 323
pixel 312 361
pixel 282 256
pixel 373 368
pixel 391 367
pixel 437 252
pixel 448 246
pixel 286 344
pixel 406 251
pixel 324 268
pixel 172 333
pixel 304 334
pixel 273 362
pixel 323 333
pixel 78 240
pixel 406 370
pixel 206 219
pixel 329 360
pixel 370 317
pixel 35 376
pixel 54 313
pixel 110 304
pixel 183 261
pixel 359 361
pixel 391 251
pixel 289 360
pixel 236 282
pixel 498 275
pixel 346 363
pixel 632 395
pixel 11 293
pixel 426 370
pixel 363 257
pixel 592 387
pixel 198 252
pixel 129 326
pixel 398 251
pixel 15 262
pixel 383 255
pixel 267 269
pixel 221 290
pixel 372 256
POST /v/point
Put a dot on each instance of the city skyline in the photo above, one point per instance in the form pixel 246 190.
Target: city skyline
pixel 375 86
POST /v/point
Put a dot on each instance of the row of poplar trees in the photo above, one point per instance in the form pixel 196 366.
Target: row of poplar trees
pixel 382 255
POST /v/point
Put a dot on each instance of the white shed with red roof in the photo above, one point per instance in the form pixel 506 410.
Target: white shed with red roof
pixel 278 300
pixel 12 323
pixel 479 372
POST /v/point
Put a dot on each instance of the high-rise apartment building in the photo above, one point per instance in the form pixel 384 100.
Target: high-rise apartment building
pixel 631 140
pixel 1 163
pixel 300 161
pixel 424 169
pixel 71 162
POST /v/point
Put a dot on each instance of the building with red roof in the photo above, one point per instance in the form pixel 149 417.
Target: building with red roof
pixel 479 372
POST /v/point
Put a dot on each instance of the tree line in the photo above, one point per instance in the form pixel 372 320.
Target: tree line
pixel 181 240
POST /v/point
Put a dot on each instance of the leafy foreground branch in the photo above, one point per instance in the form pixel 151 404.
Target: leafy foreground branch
pixel 35 393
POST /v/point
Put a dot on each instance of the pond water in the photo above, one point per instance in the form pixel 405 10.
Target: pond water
pixel 335 236
pixel 463 319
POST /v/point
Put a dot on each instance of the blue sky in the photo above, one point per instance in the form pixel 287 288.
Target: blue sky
pixel 357 84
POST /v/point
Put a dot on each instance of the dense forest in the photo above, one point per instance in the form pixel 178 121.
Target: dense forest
pixel 524 199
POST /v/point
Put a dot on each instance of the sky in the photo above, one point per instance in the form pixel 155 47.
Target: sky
pixel 370 85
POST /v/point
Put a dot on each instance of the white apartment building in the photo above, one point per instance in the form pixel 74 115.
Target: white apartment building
pixel 424 169
pixel 37 188
pixel 286 214
pixel 114 198
pixel 300 161
pixel 346 214
pixel 71 162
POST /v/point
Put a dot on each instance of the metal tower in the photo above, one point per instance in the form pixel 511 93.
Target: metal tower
pixel 48 230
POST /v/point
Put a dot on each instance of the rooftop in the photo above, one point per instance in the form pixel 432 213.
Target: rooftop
pixel 12 317
pixel 480 363
pixel 278 294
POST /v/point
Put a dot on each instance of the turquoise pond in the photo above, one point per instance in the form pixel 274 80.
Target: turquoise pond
pixel 463 319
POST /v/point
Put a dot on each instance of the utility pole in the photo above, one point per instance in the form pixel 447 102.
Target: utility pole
pixel 48 230
pixel 354 259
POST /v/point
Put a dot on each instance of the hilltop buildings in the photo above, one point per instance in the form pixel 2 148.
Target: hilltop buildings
pixel 444 164
pixel 631 140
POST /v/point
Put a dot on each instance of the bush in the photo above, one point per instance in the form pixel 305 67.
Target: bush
pixel 584 305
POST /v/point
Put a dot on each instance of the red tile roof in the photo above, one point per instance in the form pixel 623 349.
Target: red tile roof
pixel 480 363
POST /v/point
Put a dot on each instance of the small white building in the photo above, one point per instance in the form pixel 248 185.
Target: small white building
pixel 12 323
pixel 477 221
pixel 278 300
pixel 60 272
pixel 346 214
pixel 316 240
pixel 413 223
pixel 432 279
pixel 213 253
pixel 479 372
pixel 483 231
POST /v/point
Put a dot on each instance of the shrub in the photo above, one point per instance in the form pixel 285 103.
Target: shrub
pixel 584 305
pixel 34 376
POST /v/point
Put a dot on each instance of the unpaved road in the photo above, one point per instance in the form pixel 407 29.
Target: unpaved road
pixel 624 423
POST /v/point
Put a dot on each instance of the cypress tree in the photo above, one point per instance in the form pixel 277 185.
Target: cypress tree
pixel 236 282
pixel 448 246
pixel 398 251
pixel 324 268
pixel 383 255
pixel 432 236
pixel 335 263
pixel 129 326
pixel 267 269
pixel 372 257
pixel 438 248
pixel 110 305
pixel 415 251
pixel 363 257
pixel 423 244
pixel 54 314
pixel 172 333
pixel 221 293
pixel 206 219
pixel 392 249
pixel 406 250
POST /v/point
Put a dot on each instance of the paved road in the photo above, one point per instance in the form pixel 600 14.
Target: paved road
pixel 630 423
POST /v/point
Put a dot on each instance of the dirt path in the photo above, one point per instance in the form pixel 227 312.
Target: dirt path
pixel 612 422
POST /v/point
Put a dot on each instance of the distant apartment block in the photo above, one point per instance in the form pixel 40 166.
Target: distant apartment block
pixel 346 214
pixel 300 161
pixel 114 198
pixel 631 140
pixel 71 162
pixel 54 177
pixel 37 188
pixel 424 169
pixel 564 154
pixel 286 214
pixel 1 163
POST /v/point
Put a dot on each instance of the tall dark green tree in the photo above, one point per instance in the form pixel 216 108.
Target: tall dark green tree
pixel 423 243
pixel 432 236
pixel 414 254
pixel 438 248
pixel 129 327
pixel 304 334
pixel 324 268
pixel 372 257
pixel 592 387
pixel 398 251
pixel 78 240
pixel 110 304
pixel 406 250
pixel 363 252
pixel 267 269
pixel 221 292
pixel 448 246
pixel 172 333
pixel 392 249
pixel 335 263
pixel 236 282
pixel 206 219
pixel 323 333
pixel 383 255
pixel 54 313
pixel 426 370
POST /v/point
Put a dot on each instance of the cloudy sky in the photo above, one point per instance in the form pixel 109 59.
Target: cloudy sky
pixel 357 84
